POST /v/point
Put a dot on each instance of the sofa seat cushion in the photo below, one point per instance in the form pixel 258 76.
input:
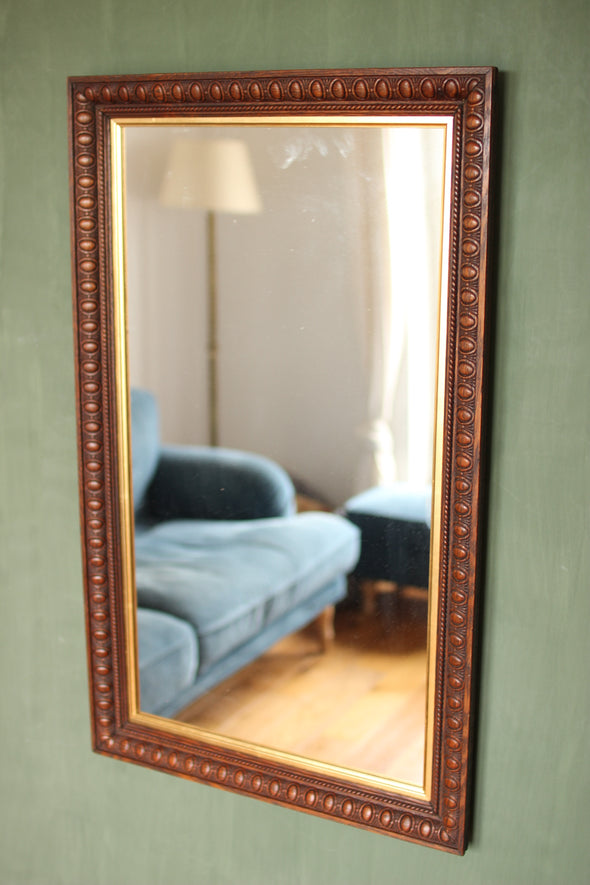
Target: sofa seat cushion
pixel 230 580
pixel 168 657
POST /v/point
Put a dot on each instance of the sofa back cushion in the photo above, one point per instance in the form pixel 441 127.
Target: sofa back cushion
pixel 145 442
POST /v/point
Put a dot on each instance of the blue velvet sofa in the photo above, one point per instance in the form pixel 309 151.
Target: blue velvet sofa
pixel 224 566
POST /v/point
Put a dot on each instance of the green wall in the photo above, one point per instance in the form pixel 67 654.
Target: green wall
pixel 68 816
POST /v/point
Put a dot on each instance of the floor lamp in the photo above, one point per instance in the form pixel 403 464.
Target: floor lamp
pixel 214 175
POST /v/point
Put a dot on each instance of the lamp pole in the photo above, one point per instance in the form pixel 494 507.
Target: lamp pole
pixel 212 344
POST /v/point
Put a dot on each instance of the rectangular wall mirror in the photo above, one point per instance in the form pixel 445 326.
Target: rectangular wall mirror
pixel 279 296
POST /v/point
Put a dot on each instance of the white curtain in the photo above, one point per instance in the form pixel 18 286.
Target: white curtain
pixel 403 298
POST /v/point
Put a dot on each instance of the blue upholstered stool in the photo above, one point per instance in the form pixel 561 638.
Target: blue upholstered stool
pixel 394 522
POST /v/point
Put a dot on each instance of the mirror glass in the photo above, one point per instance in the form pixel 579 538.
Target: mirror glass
pixel 285 289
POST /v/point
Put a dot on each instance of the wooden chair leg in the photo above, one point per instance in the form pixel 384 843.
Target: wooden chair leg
pixel 325 627
pixel 370 589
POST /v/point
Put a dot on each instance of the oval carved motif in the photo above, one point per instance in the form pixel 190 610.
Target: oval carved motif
pixel 472 173
pixel 196 92
pixel 338 89
pixel 451 88
pixel 275 90
pixel 467 321
pixel 360 89
pixel 406 823
pixel 425 829
pixel 470 223
pixel 473 148
pixel 382 89
pixel 466 369
pixel 296 90
pixel 405 89
pixel 316 89
pixel 367 813
pixel 473 122
pixel 235 91
pixel 428 88
pixel 466 345
pixel 216 92
pixel 469 273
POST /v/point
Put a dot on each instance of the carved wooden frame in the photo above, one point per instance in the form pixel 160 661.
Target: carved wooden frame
pixel 464 93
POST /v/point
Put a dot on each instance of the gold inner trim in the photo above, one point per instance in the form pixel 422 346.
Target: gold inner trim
pixel 261 753
pixel 437 469
pixel 119 233
pixel 304 120
pixel 123 417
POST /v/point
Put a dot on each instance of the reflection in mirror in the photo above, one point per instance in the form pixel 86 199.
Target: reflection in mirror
pixel 285 291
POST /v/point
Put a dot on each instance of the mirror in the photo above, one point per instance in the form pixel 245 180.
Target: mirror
pixel 321 355
pixel 280 430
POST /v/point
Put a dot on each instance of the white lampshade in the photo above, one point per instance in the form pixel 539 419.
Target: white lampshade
pixel 214 174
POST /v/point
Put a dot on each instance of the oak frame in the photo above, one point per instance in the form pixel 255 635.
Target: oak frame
pixel 466 95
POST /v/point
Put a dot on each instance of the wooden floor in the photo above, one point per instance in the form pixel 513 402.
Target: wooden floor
pixel 359 705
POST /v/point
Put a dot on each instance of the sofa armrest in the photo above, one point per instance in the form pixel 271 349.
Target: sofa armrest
pixel 193 482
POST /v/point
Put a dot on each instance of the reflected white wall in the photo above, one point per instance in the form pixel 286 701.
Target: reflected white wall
pixel 298 287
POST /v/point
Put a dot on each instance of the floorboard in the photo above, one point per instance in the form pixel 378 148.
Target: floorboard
pixel 359 705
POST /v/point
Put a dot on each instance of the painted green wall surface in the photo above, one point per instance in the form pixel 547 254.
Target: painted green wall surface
pixel 71 817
